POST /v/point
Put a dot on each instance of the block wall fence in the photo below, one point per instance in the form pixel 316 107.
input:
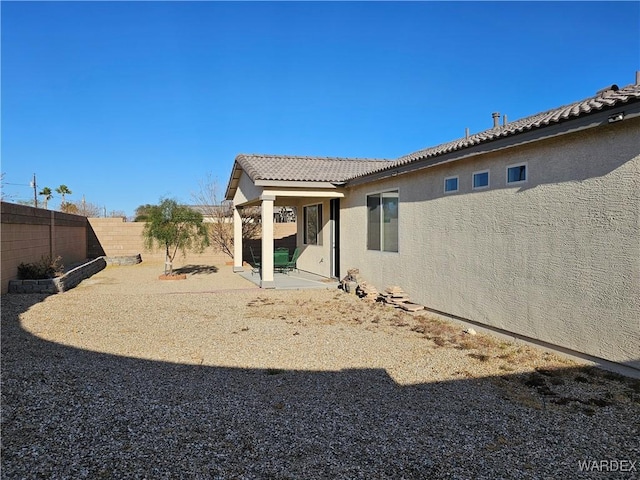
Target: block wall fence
pixel 27 234
pixel 113 237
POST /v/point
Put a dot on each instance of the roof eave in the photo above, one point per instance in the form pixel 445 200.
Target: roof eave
pixel 232 184
pixel 629 110
pixel 297 184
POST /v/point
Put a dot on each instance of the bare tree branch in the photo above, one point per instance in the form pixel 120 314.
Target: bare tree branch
pixel 219 216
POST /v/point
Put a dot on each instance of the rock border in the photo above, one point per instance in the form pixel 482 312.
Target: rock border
pixel 393 295
pixel 59 284
pixel 124 260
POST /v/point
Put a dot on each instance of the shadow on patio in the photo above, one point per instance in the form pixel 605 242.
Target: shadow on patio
pixel 294 280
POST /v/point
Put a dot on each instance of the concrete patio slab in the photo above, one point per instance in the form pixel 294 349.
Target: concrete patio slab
pixel 295 280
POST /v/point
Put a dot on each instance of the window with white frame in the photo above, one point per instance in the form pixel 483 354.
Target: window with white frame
pixel 382 221
pixel 517 173
pixel 451 184
pixel 480 179
pixel 312 218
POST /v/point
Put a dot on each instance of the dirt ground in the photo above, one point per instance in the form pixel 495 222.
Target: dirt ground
pixel 129 376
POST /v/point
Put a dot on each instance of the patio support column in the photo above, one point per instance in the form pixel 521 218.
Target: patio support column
pixel 237 240
pixel 267 241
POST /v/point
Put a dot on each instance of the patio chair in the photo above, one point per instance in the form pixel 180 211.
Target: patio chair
pixel 255 265
pixel 291 264
pixel 280 259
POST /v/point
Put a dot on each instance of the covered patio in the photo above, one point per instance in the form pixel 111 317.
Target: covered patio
pixel 314 186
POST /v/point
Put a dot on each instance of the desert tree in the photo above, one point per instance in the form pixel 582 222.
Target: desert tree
pixel 175 228
pixel 3 195
pixel 69 207
pixel 142 213
pixel 219 214
pixel 81 207
pixel 47 193
pixel 118 214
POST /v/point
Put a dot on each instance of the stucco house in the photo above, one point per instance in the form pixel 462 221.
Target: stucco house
pixel 531 227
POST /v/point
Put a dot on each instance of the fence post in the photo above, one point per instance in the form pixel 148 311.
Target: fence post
pixel 52 234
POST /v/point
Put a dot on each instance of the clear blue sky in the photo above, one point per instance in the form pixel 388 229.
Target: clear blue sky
pixel 128 102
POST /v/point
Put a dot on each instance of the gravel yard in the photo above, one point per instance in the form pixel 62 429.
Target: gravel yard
pixel 127 376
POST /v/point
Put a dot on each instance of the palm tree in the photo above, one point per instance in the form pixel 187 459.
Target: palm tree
pixel 63 190
pixel 47 194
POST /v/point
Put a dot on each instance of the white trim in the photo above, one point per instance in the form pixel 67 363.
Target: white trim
pixel 526 173
pixel 295 184
pixel 447 192
pixel 306 193
pixel 483 186
pixel 384 190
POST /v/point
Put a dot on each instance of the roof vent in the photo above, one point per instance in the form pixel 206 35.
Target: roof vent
pixel 605 90
pixel 496 119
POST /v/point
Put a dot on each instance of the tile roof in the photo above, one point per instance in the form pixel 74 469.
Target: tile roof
pixel 341 170
pixel 605 99
pixel 310 169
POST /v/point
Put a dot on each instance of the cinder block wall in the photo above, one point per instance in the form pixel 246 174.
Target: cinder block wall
pixel 114 237
pixel 28 234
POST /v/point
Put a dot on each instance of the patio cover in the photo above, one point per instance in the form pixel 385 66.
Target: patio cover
pixel 270 180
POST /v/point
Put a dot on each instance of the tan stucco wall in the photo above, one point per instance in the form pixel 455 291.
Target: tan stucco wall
pixel 247 192
pixel 315 258
pixel 556 259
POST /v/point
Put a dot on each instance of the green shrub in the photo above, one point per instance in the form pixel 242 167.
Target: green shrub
pixel 46 267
